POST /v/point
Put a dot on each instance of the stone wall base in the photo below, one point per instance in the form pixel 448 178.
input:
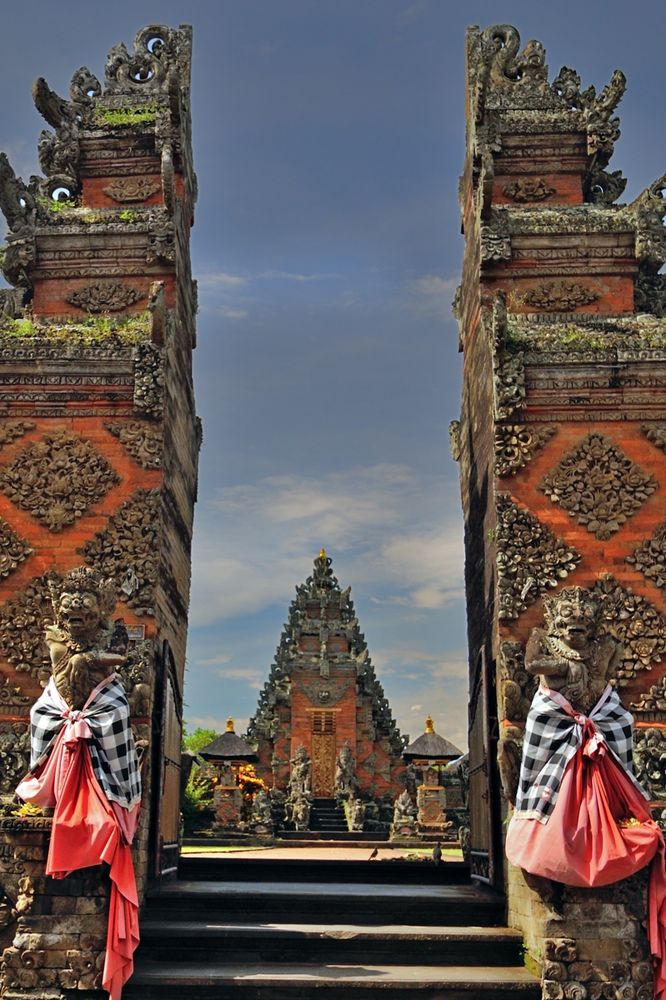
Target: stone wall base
pixel 590 944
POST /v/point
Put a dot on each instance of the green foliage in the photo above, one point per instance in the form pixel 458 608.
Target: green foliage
pixel 197 806
pixel 637 336
pixel 128 215
pixel 129 329
pixel 198 739
pixel 126 116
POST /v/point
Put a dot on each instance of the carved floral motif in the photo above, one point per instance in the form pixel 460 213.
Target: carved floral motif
pixel 12 699
pixel 132 188
pixel 10 430
pixel 57 478
pixel 528 189
pixel 650 760
pixel 13 549
pixel 635 623
pixel 655 433
pixel 508 385
pixel 650 294
pixel 14 755
pixel 105 296
pixel 22 628
pixel 127 550
pixel 559 296
pixel 149 380
pixel 650 557
pixel 516 445
pixel 653 700
pixel 141 440
pixel 530 559
pixel 598 485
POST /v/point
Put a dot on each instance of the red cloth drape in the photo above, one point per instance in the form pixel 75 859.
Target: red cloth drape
pixel 86 832
pixel 600 831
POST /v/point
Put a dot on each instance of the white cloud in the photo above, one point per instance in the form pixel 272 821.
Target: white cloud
pixel 221 279
pixel 230 313
pixel 433 293
pixel 387 527
pixel 295 276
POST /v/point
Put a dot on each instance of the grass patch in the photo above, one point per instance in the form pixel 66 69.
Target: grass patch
pixel 129 329
pixel 126 116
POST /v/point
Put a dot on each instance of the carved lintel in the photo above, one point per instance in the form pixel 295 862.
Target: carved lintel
pixel 105 296
pixel 526 189
pixel 558 296
pixel 132 188
pixel 598 485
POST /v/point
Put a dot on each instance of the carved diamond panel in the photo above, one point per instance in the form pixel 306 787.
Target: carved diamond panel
pixel 141 440
pixel 516 445
pixel 598 485
pixel 650 557
pixel 22 628
pixel 530 559
pixel 635 623
pixel 127 550
pixel 57 478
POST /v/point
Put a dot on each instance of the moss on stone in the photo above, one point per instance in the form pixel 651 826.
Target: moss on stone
pixel 126 116
pixel 129 329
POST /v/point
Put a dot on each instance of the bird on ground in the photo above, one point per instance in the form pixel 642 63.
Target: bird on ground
pixel 437 852
pixel 374 854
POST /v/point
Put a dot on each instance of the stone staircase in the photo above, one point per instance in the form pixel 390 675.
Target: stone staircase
pixel 327 816
pixel 271 930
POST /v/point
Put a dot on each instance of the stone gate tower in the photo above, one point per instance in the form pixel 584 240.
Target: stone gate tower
pixel 323 693
pixel 98 451
pixel 561 442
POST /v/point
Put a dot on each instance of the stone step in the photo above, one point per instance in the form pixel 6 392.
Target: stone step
pixel 168 981
pixel 194 941
pixel 263 865
pixel 439 904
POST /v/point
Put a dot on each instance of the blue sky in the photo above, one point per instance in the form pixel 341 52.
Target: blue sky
pixel 329 136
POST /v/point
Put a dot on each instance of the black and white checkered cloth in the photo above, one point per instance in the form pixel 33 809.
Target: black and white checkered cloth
pixel 552 736
pixel 112 750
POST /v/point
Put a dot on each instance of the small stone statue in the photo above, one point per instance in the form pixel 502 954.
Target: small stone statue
pixel 404 810
pixel 571 654
pixel 80 638
pixel 300 779
pixel 345 781
pixel 261 812
pixel 357 818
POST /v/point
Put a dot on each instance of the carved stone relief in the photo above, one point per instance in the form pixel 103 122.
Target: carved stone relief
pixel 528 189
pixel 635 623
pixel 494 245
pixel 650 557
pixel 516 445
pixel 144 71
pixel 105 296
pixel 137 677
pixel 57 478
pixel 13 549
pixel 10 430
pixel 22 628
pixel 517 686
pixel 649 211
pixel 14 754
pixel 650 294
pixel 598 485
pixel 508 384
pixel 12 700
pixel 141 440
pixel 558 296
pixel 650 760
pixel 530 559
pixel 653 700
pixel 655 433
pixel 132 188
pixel 128 548
pixel 149 380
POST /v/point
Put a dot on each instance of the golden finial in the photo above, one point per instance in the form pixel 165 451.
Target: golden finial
pixel 322 553
pixel 430 726
pixel 230 725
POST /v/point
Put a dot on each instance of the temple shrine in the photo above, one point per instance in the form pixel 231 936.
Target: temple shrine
pixel 323 699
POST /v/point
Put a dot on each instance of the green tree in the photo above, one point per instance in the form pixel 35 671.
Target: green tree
pixel 198 739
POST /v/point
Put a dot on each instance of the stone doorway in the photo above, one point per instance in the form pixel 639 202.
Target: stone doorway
pixel 323 754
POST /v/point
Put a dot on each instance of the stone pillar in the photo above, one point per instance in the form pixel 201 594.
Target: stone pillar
pixel 98 448
pixel 561 445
